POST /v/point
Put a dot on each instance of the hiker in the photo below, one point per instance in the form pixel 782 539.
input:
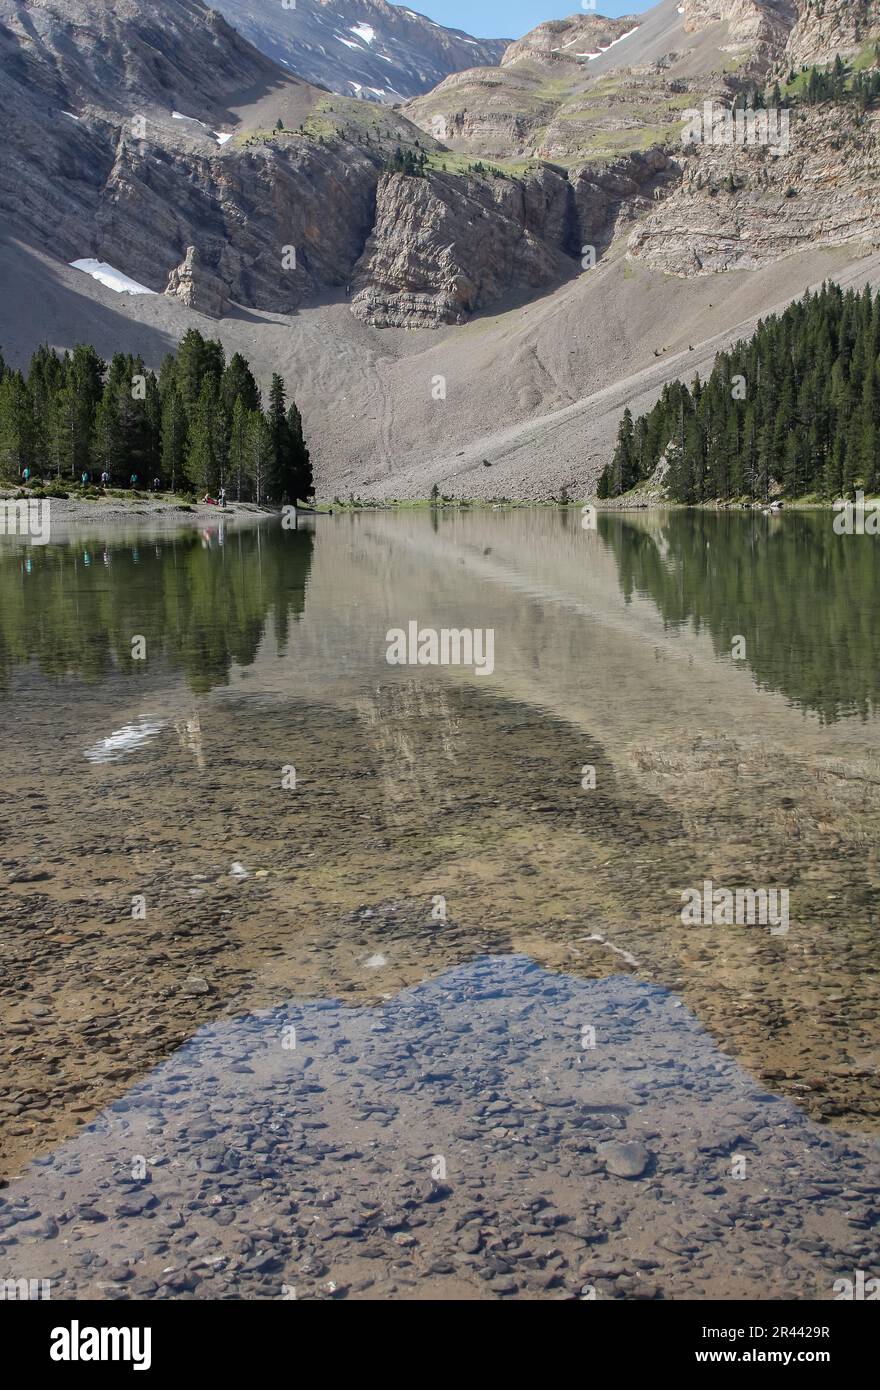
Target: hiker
pixel 84 478
pixel 223 497
pixel 208 500
pixel 157 484
pixel 134 482
pixel 25 475
pixel 105 479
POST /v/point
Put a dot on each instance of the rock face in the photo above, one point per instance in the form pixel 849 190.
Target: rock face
pixel 364 48
pixel 153 137
pixel 752 24
pixel 790 31
pixel 111 152
pixel 823 192
pixel 197 287
pixel 835 26
pixel 444 246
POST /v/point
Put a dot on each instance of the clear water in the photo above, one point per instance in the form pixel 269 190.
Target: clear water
pixel 170 877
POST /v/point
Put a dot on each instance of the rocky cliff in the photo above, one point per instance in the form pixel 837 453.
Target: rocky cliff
pixel 123 144
pixel 443 247
pixel 825 28
pixel 753 25
pixel 741 208
pixel 120 149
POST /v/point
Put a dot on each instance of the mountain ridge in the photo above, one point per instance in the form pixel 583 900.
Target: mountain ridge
pixel 364 48
pixel 416 254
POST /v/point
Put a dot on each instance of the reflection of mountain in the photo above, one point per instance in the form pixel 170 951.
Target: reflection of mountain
pixel 201 604
pixel 804 599
pixel 351 1109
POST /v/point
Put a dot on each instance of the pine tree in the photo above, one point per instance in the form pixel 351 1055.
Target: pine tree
pixel 107 449
pixel 85 380
pixel 174 440
pixel 301 484
pixel 238 381
pixel 280 479
pixel 624 465
pixel 238 447
pixel 202 463
pixel 261 454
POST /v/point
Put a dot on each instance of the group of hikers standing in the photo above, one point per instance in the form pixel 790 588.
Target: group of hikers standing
pixel 86 478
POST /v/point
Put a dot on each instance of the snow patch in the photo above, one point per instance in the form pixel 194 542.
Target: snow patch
pixel 71 115
pixel 612 44
pixel 111 277
pixel 178 116
pixel 223 139
pixel 348 43
pixel 363 31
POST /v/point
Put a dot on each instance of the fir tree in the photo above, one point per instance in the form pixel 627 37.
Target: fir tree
pixel 174 440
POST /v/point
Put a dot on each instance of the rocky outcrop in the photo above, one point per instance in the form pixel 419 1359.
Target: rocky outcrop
pixel 110 152
pixel 752 24
pixel 443 247
pixel 561 39
pixel 834 26
pixel 196 286
pixel 741 208
pixel 608 195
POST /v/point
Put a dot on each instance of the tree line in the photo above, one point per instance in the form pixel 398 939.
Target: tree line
pixel 837 84
pixel 794 410
pixel 198 425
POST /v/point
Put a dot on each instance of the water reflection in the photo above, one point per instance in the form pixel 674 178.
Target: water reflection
pixel 498 1132
pixel 201 602
pixel 806 600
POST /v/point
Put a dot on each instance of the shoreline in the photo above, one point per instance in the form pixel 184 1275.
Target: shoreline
pixel 70 514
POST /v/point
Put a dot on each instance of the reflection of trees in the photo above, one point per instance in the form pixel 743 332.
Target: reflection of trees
pixel 806 600
pixel 200 605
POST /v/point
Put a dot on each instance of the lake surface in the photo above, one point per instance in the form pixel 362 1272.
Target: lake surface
pixel 328 977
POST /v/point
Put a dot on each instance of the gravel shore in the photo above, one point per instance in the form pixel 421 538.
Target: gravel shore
pixel 159 513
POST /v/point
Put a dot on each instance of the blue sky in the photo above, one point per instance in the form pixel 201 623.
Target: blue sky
pixel 510 19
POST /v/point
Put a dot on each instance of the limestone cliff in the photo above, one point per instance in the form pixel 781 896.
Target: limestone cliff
pixel 443 247
pixel 741 208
